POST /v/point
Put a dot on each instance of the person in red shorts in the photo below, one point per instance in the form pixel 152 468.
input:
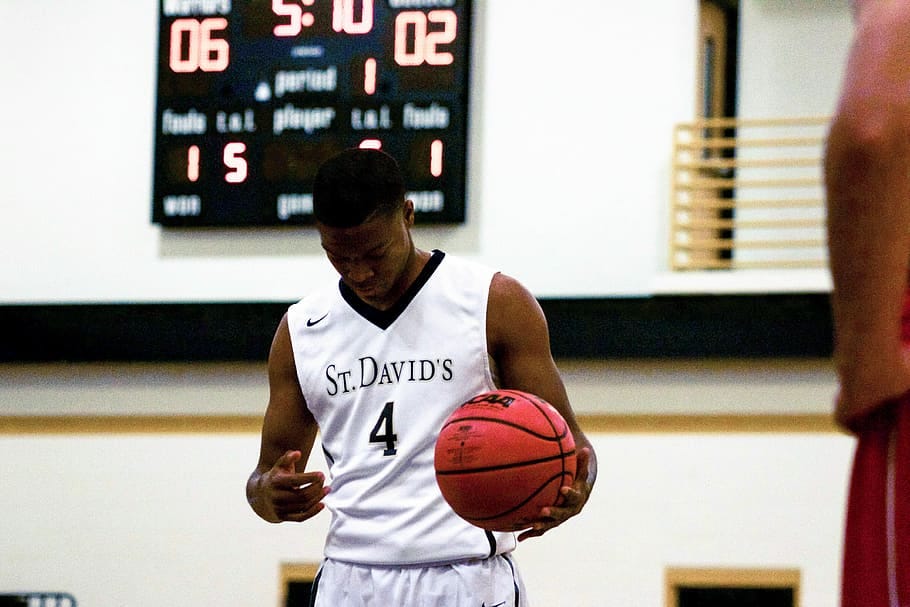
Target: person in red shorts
pixel 867 177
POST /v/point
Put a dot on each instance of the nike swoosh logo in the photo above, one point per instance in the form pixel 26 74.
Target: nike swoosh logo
pixel 310 322
pixel 496 605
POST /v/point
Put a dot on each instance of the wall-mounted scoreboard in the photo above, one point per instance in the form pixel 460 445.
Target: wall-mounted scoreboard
pixel 254 94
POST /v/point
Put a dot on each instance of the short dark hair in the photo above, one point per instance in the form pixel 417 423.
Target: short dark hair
pixel 355 185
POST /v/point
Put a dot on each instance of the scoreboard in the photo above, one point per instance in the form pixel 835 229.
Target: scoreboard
pixel 252 96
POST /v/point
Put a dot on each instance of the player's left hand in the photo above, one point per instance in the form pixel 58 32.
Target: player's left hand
pixel 575 497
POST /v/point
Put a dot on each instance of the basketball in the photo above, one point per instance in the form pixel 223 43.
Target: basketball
pixel 501 457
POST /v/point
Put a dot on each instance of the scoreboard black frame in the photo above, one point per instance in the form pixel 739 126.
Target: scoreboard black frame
pixel 252 96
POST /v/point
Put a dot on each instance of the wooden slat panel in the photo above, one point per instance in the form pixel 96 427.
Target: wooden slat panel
pixel 730 224
pixel 741 163
pixel 723 183
pixel 735 142
pixel 778 169
pixel 798 121
pixel 731 264
pixel 729 203
pixel 719 243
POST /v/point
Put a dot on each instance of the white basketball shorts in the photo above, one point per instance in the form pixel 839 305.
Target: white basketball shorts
pixel 491 582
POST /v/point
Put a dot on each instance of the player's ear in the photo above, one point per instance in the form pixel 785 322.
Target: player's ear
pixel 408 212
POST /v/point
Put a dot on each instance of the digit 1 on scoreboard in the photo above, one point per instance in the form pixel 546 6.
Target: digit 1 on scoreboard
pixel 369 76
pixel 192 163
pixel 436 153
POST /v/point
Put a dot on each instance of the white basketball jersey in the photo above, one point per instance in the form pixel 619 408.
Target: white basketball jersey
pixel 380 385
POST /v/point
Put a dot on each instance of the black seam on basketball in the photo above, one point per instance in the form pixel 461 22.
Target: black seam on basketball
pixel 535 401
pixel 507 466
pixel 478 418
pixel 521 504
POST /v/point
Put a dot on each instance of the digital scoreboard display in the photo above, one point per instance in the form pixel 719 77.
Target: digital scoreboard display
pixel 253 95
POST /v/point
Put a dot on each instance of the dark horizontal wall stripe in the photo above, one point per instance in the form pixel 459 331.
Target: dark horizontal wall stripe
pixel 737 326
pixel 778 325
pixel 138 332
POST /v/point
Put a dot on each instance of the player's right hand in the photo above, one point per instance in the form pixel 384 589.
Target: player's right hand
pixel 291 495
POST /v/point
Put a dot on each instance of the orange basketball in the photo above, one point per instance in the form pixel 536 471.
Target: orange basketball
pixel 501 457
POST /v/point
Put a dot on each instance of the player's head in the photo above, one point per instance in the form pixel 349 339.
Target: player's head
pixel 364 223
pixel 356 185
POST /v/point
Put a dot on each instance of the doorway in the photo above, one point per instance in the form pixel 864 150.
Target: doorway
pixel 718 39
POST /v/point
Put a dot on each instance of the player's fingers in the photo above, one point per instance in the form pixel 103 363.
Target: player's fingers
pixel 299 489
pixel 571 505
pixel 288 460
pixel 537 530
pixel 298 480
pixel 582 469
pixel 301 515
pixel 296 504
pixel 529 534
pixel 582 458
pixel 555 515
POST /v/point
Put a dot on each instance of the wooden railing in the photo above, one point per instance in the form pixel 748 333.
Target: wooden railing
pixel 748 194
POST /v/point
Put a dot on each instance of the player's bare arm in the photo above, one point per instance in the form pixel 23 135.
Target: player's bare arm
pixel 279 489
pixel 867 188
pixel 519 342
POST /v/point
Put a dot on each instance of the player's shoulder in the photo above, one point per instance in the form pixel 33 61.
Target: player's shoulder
pixel 511 306
pixel 509 289
pixel 312 306
pixel 462 270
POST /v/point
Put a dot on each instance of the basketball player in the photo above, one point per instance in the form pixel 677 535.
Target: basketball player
pixel 376 362
pixel 868 196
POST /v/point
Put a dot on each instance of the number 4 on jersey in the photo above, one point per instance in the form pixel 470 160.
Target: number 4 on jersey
pixel 384 432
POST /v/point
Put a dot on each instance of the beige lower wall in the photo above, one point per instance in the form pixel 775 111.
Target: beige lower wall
pixel 160 519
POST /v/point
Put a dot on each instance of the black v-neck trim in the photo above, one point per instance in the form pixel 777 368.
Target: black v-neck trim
pixel 384 318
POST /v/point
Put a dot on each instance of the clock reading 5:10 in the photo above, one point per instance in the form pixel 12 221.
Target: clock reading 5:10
pixel 194 45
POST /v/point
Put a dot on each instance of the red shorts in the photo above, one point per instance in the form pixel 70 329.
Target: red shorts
pixel 877 543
